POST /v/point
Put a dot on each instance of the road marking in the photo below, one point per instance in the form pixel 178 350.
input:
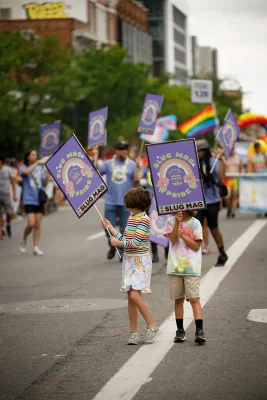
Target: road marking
pixel 258 315
pixel 96 236
pixel 138 369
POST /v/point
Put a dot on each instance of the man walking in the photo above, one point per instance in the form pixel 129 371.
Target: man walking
pixel 7 182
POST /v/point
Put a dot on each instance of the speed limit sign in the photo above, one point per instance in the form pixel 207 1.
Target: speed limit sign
pixel 201 91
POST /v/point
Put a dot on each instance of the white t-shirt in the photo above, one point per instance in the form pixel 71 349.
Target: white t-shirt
pixel 182 260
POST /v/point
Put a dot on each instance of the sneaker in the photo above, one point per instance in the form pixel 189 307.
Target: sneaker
pixel 200 337
pixel 22 246
pixel 206 251
pixel 180 336
pixel 37 252
pixel 134 338
pixel 152 333
pixel 155 258
pixel 111 253
pixel 221 260
pixel 8 230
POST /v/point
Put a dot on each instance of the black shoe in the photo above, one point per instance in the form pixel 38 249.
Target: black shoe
pixel 180 336
pixel 155 258
pixel 111 253
pixel 200 337
pixel 233 215
pixel 228 213
pixel 8 230
pixel 221 260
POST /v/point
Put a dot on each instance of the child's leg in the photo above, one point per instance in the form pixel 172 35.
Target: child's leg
pixel 136 298
pixel 179 308
pixel 133 314
pixel 197 310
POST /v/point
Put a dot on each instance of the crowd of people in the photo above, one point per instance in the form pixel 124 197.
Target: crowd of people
pixel 127 207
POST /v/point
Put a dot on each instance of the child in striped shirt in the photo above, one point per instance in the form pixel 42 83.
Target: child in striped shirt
pixel 137 264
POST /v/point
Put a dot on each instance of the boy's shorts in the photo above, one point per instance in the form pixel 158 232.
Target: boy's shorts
pixel 181 287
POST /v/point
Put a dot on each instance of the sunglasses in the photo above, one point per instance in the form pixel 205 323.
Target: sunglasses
pixel 123 148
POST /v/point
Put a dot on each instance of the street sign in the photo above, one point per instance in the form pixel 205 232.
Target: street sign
pixel 201 91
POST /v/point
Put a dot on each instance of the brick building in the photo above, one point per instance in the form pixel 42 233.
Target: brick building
pixel 83 23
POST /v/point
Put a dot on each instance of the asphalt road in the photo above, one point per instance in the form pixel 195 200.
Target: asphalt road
pixel 64 324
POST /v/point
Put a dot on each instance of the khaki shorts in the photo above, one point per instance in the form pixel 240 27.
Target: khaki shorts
pixel 181 287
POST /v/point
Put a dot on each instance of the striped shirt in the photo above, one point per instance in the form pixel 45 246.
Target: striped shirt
pixel 136 235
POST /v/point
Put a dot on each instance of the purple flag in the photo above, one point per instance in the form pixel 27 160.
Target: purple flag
pixel 97 131
pixel 157 226
pixel 175 175
pixel 228 134
pixel 150 112
pixel 49 137
pixel 76 176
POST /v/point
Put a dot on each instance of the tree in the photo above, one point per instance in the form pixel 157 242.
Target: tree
pixel 37 84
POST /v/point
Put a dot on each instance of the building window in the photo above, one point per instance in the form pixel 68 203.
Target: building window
pixel 181 74
pixel 179 56
pixel 179 38
pixel 92 18
pixel 102 25
pixel 5 13
pixel 179 18
pixel 156 29
pixel 156 8
pixel 158 48
pixel 158 68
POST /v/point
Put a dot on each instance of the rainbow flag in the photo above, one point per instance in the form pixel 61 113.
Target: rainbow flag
pixel 201 123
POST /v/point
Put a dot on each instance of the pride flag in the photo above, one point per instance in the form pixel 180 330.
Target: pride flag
pixel 201 123
pixel 162 128
pixel 249 119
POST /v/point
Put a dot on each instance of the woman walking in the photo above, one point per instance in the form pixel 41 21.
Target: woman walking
pixel 33 179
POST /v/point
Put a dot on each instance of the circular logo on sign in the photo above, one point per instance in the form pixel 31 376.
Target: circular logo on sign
pixel 50 139
pixel 229 134
pixel 97 127
pixel 149 115
pixel 75 174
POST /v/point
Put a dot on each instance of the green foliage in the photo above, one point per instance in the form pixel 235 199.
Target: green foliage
pixel 41 82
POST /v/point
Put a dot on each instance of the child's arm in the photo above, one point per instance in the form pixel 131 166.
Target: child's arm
pixel 107 225
pixel 174 233
pixel 193 244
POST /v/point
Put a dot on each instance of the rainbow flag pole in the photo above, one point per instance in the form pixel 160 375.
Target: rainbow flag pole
pixel 201 123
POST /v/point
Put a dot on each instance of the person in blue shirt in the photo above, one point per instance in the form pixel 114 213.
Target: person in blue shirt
pixel 33 178
pixel 121 174
pixel 212 194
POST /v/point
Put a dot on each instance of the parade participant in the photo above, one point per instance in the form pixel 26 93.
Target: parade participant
pixel 206 248
pixel 257 162
pixel 212 194
pixel 233 164
pixel 33 179
pixel 184 269
pixel 121 174
pixel 7 184
pixel 137 265
pixel 145 174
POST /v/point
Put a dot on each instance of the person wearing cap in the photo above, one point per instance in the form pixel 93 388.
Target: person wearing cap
pixel 212 194
pixel 121 173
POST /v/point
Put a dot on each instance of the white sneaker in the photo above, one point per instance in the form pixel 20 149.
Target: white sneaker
pixel 22 246
pixel 152 333
pixel 134 338
pixel 37 251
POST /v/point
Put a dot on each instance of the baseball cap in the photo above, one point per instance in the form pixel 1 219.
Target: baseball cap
pixel 121 145
pixel 202 144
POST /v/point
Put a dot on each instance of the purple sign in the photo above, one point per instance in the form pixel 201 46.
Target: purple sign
pixel 175 175
pixel 228 134
pixel 76 176
pixel 158 223
pixel 97 131
pixel 49 137
pixel 150 112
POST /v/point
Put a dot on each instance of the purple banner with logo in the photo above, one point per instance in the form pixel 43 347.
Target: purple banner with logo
pixel 158 223
pixel 175 175
pixel 50 137
pixel 76 176
pixel 97 130
pixel 228 134
pixel 150 112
